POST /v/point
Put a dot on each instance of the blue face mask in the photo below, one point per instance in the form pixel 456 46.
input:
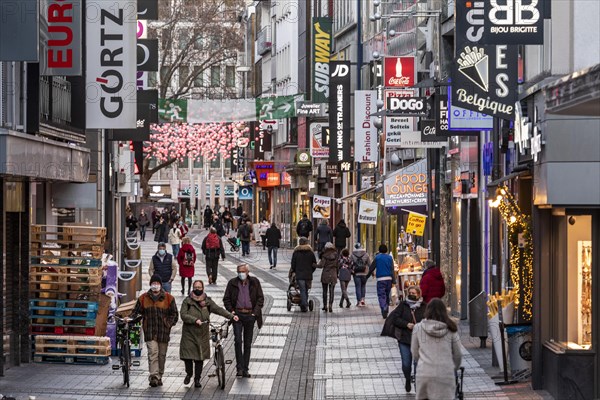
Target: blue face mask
pixel 162 252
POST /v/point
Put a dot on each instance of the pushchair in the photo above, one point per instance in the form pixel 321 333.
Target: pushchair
pixel 234 243
pixel 458 376
pixel 293 294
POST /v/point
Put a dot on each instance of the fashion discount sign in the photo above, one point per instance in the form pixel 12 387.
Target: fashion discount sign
pixel 111 98
pixel 365 134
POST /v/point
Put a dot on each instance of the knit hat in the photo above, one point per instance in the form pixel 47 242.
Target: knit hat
pixel 357 246
pixel 155 278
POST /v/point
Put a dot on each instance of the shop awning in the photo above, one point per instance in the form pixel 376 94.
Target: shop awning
pixel 575 94
pixel 508 177
pixel 360 192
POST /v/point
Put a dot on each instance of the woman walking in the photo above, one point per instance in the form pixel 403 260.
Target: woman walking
pixel 175 238
pixel 186 259
pixel 195 336
pixel 212 248
pixel 360 267
pixel 262 231
pixel 404 317
pixel 345 275
pixel 329 263
pixel 435 346
pixel 143 222
pixel 160 235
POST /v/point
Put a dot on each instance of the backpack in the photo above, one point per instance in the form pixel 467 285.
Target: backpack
pixel 212 242
pixel 304 226
pixel 188 260
pixel 360 264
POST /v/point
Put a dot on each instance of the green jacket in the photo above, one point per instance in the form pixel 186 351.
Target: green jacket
pixel 195 340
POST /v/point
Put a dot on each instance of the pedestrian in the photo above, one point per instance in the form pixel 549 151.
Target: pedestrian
pixel 244 298
pixel 324 235
pixel 164 265
pixel 341 233
pixel 432 282
pixel 186 260
pixel 304 227
pixel 227 220
pixel 218 225
pixel 262 231
pixel 383 265
pixel 436 348
pixel 345 275
pixel 360 262
pixel 143 222
pixel 194 347
pixel 161 234
pixel 131 223
pixel 159 314
pixel 155 219
pixel 303 265
pixel 183 228
pixel 175 238
pixel 208 214
pixel 239 210
pixel 212 248
pixel 273 237
pixel 329 263
pixel 245 235
pixel 404 317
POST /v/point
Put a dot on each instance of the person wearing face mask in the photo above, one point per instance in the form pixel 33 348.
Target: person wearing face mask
pixel 404 317
pixel 195 336
pixel 244 298
pixel 175 238
pixel 159 315
pixel 164 265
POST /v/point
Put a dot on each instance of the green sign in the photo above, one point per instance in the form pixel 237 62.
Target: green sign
pixel 172 110
pixel 275 107
pixel 321 52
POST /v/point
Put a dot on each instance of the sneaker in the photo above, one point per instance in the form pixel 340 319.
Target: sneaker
pixel 271 267
pixel 187 379
pixel 407 386
pixel 197 384
pixel 154 382
pixel 246 374
pixel 348 304
pixel 330 309
pixel 160 382
pixel 342 303
pixel 240 373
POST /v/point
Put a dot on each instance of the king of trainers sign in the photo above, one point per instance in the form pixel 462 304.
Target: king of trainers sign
pixel 484 76
pixel 339 111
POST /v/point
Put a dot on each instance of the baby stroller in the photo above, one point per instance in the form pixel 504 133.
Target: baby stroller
pixel 458 376
pixel 234 243
pixel 293 294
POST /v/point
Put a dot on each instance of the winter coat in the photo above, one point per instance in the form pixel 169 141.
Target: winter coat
pixel 437 352
pixel 304 262
pixel 186 271
pixel 161 233
pixel 256 297
pixel 245 232
pixel 402 316
pixel 195 340
pixel 362 254
pixel 345 270
pixel 341 233
pixel 262 228
pixel 383 265
pixel 324 233
pixel 143 220
pixel 213 253
pixel 273 236
pixel 131 223
pixel 165 268
pixel 329 263
pixel 174 236
pixel 304 227
pixel 218 225
pixel 432 284
pixel 159 315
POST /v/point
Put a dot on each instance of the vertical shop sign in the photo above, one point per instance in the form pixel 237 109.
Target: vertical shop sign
pixel 60 37
pixel 339 112
pixel 513 22
pixel 111 64
pixel 321 49
pixel 147 9
pixel 365 134
pixel 19 30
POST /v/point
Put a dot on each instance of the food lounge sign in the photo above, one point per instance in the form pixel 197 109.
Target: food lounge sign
pixel 407 186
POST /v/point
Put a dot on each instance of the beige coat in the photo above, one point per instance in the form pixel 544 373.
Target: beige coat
pixel 438 354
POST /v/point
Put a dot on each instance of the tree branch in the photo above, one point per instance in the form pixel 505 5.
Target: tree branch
pixel 152 171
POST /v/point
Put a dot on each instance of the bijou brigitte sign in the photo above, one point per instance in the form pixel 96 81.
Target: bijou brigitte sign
pixel 407 186
pixel 399 71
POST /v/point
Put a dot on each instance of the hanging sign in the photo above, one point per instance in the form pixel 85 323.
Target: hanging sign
pixel 416 224
pixel 60 37
pixel 367 212
pixel 365 134
pixel 321 207
pixel 332 169
pixel 414 106
pixel 399 71
pixel 319 148
pixel 513 22
pixel 395 125
pixel 339 111
pixel 407 186
pixel 321 51
pixel 245 193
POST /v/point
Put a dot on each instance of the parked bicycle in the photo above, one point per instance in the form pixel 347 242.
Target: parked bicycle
pixel 124 346
pixel 218 333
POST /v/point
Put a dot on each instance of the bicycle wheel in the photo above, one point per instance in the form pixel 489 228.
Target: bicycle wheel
pixel 126 362
pixel 220 363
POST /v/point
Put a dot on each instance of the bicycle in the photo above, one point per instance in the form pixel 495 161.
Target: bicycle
pixel 219 332
pixel 124 346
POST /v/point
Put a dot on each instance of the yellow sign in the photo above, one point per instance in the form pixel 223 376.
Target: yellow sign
pixel 416 224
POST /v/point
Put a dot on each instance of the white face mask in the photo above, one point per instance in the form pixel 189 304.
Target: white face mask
pixel 242 275
pixel 155 288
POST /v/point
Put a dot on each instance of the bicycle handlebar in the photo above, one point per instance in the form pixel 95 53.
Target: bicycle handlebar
pixel 129 320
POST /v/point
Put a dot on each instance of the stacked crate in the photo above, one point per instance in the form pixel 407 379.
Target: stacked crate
pixel 65 280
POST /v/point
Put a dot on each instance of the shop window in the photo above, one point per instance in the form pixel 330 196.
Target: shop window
pixel 230 76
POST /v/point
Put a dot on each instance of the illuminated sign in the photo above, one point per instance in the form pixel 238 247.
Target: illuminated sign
pixel 407 186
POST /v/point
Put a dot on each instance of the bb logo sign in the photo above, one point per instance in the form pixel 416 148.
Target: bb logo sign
pixel 512 21
pixel 416 106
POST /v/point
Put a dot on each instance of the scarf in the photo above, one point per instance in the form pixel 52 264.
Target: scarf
pixel 201 300
pixel 414 304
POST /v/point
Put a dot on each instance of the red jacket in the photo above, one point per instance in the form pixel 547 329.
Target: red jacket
pixel 432 284
pixel 185 271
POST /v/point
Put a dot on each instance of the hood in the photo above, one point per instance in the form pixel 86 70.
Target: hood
pixel 434 328
pixel 303 247
pixel 342 224
pixel 323 222
pixel 330 254
pixel 358 252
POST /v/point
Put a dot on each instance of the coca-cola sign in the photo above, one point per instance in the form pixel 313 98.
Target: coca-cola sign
pixel 399 71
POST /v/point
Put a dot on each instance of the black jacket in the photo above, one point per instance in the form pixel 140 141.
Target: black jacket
pixel 324 233
pixel 341 233
pixel 304 227
pixel 256 297
pixel 273 236
pixel 304 262
pixel 402 316
pixel 213 253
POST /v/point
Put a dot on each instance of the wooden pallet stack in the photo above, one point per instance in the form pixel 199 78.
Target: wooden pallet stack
pixel 65 283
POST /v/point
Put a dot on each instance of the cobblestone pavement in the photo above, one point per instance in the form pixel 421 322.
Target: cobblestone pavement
pixel 312 355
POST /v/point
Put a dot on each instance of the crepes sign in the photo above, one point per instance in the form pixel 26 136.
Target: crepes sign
pixel 321 207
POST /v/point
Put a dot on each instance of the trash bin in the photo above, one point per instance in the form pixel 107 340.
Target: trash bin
pixel 127 285
pixel 519 350
pixel 135 266
pixel 478 321
pixel 133 251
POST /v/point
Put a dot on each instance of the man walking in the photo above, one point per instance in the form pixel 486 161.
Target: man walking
pixel 164 265
pixel 212 248
pixel 143 222
pixel 245 235
pixel 341 233
pixel 304 227
pixel 244 298
pixel 304 264
pixel 324 235
pixel 383 264
pixel 159 313
pixel 273 237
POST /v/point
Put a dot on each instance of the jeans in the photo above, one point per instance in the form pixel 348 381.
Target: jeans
pixel 143 232
pixel 175 249
pixel 328 287
pixel 344 286
pixel 245 247
pixel 303 286
pixel 384 289
pixel 360 282
pixel 263 239
pixel 407 359
pixel 167 286
pixel 190 365
pixel 157 355
pixel 212 266
pixel 243 330
pixel 227 226
pixel 273 255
